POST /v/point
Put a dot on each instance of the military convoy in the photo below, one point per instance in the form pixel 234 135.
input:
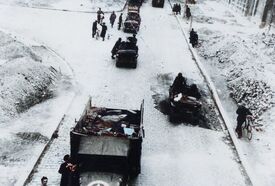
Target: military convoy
pixel 106 145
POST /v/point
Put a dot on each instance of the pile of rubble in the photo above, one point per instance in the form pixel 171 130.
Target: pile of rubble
pixel 24 79
pixel 255 94
pixel 244 65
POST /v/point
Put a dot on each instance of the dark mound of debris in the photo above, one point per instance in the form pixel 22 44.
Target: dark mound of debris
pixel 32 136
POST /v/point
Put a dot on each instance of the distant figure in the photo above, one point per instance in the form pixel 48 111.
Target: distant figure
pixel 115 48
pixel 187 12
pixel 194 91
pixel 112 18
pixel 242 112
pixel 179 84
pixel 193 38
pixel 103 31
pixel 94 28
pixel 64 170
pixel 100 14
pixel 133 39
pixel 176 9
pixel 44 181
pixel 120 21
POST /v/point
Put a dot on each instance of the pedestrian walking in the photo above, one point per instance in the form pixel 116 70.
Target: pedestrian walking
pixel 242 112
pixel 94 28
pixel 103 31
pixel 100 14
pixel 120 21
pixel 187 12
pixel 112 18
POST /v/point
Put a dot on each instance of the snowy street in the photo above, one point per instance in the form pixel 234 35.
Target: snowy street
pixel 172 154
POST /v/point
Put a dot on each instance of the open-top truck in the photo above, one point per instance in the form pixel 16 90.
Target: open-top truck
pixel 106 145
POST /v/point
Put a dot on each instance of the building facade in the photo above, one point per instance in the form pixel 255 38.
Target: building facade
pixel 262 10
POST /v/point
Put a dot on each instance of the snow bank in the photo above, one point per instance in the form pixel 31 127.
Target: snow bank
pixel 24 79
pixel 70 5
pixel 246 59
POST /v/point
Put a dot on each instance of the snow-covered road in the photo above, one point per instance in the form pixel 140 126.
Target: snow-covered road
pixel 172 154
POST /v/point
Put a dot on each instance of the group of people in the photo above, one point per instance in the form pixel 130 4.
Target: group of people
pixel 130 44
pixel 176 9
pixel 99 21
pixel 95 30
pixel 180 86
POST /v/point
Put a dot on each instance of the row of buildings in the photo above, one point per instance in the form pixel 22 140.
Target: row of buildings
pixel 262 10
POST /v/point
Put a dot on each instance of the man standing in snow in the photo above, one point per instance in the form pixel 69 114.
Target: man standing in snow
pixel 94 28
pixel 242 112
pixel 100 13
pixel 119 21
pixel 103 31
pixel 64 170
pixel 178 85
pixel 112 19
pixel 187 12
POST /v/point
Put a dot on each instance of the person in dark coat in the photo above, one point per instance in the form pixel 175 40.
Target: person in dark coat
pixel 133 39
pixel 179 8
pixel 100 13
pixel 103 31
pixel 193 38
pixel 191 35
pixel 194 91
pixel 112 18
pixel 242 112
pixel 120 21
pixel 64 170
pixel 174 8
pixel 94 28
pixel 115 48
pixel 179 84
pixel 187 12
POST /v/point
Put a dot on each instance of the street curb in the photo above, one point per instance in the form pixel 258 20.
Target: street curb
pixel 221 110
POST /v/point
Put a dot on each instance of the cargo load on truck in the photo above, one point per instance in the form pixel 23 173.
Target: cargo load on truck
pixel 106 145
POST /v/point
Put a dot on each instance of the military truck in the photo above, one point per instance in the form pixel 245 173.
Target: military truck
pixel 106 145
pixel 158 3
pixel 185 105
